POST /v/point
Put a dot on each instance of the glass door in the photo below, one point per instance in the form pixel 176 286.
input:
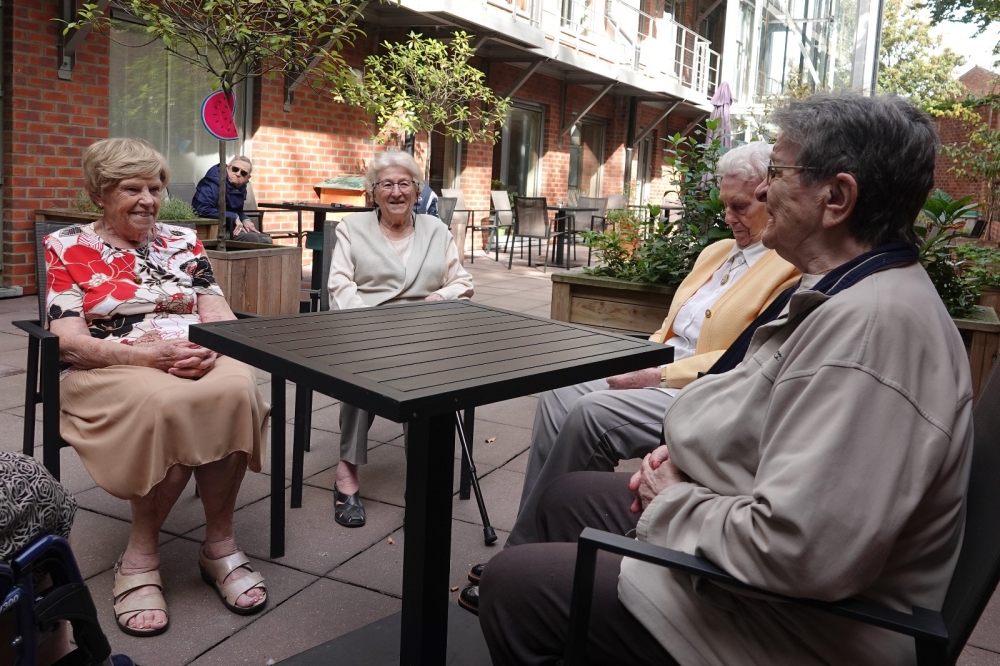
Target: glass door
pixel 521 148
pixel 586 155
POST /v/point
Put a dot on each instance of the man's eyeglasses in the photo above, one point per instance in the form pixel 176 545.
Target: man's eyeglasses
pixel 242 172
pixel 403 185
pixel 772 169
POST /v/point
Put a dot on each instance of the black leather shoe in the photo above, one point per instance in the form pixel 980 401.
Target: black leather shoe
pixel 475 573
pixel 469 599
pixel 348 509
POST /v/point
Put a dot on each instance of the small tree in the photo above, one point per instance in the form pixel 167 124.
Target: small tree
pixel 234 40
pixel 978 159
pixel 426 85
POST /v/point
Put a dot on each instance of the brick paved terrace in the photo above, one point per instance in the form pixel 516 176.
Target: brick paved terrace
pixel 332 580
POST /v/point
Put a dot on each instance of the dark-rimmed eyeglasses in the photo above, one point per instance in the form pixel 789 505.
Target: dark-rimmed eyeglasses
pixel 242 172
pixel 772 169
pixel 387 186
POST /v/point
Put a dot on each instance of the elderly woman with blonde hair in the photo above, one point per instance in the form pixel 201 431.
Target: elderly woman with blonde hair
pixel 143 407
pixel 389 255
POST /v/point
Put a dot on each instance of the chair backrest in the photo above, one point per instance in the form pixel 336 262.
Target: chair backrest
pixel 616 201
pixel 978 568
pixel 501 204
pixel 600 203
pixel 43 229
pixel 457 196
pixel 329 241
pixel 446 209
pixel 530 217
pixel 182 191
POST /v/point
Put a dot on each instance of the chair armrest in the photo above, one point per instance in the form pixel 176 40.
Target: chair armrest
pixel 34 329
pixel 922 624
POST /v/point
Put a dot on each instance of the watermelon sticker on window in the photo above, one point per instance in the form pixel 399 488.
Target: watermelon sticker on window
pixel 217 115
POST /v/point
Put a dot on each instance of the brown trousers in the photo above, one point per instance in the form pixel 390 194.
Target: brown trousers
pixel 525 590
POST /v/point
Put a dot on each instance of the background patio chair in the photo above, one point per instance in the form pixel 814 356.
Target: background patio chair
pixel 598 220
pixel 182 191
pixel 939 637
pixel 446 209
pixel 499 218
pixel 531 221
pixel 37 613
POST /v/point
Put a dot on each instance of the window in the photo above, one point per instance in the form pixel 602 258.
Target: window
pixel 157 96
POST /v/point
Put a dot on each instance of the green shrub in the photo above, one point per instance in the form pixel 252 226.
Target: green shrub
pixel 83 203
pixel 175 209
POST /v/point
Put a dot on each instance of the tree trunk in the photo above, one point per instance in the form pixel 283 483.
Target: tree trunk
pixel 222 195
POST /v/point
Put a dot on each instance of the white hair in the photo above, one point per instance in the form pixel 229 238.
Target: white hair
pixel 748 161
pixel 393 158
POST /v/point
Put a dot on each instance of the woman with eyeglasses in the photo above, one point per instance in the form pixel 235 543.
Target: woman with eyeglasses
pixel 389 255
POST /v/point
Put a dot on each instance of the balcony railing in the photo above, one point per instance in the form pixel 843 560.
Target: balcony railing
pixel 617 31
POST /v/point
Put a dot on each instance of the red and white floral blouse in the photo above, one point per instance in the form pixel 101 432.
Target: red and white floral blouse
pixel 138 297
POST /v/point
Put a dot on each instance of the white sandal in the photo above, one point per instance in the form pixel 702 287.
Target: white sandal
pixel 126 609
pixel 215 572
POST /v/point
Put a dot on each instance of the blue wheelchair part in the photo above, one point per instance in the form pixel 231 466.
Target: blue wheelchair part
pixel 67 599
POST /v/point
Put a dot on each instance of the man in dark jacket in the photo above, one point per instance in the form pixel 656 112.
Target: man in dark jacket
pixel 206 200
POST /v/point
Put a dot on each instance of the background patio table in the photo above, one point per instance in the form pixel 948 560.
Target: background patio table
pixel 419 363
pixel 319 212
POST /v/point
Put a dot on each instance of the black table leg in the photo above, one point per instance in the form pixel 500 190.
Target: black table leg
pixel 303 422
pixel 430 465
pixel 277 466
pixel 318 218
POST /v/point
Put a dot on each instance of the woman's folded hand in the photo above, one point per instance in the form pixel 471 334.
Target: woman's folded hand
pixel 183 358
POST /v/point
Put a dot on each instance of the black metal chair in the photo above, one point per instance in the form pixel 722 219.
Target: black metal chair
pixel 182 191
pixel 446 209
pixel 531 221
pixel 36 613
pixel 42 373
pixel 939 636
pixel 978 227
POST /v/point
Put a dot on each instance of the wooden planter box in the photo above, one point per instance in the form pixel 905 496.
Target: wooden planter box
pixel 207 228
pixel 610 304
pixel 258 278
pixel 981 333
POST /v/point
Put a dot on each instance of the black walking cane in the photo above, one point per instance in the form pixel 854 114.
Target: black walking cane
pixel 489 534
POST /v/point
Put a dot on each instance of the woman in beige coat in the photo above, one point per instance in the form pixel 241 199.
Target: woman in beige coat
pixel 825 455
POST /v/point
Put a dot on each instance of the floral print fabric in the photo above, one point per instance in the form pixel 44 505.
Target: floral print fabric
pixel 137 297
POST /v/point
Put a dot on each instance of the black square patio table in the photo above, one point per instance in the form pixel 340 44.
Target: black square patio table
pixel 419 363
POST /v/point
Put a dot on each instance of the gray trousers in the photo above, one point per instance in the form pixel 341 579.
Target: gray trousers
pixel 585 427
pixel 354 426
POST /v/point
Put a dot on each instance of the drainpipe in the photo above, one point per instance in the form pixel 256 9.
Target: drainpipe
pixel 633 112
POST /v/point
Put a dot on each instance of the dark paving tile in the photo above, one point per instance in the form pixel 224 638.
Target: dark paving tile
pixel 518 412
pixel 26 304
pixel 384 477
pixel 10 341
pixel 518 464
pixel 319 613
pixel 541 311
pixel 12 389
pixel 198 621
pixel 508 442
pixel 98 541
pixel 973 656
pixel 381 566
pixel 314 542
pixel 72 474
pixel 322 455
pixel 187 513
pixel 987 632
pixel 319 400
pixel 12 432
pixel 501 493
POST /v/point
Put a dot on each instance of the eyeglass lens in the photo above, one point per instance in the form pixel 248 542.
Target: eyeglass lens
pixel 403 185
pixel 236 169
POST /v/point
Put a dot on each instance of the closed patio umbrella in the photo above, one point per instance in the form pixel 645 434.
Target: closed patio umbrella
pixel 721 100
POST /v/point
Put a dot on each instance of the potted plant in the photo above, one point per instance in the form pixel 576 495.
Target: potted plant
pixel 83 211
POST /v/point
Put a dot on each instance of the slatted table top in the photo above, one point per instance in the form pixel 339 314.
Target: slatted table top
pixel 419 359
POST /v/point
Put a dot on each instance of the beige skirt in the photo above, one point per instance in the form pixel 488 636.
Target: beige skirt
pixel 130 424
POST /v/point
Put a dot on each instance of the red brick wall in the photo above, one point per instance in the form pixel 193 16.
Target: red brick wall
pixel 49 123
pixel 952 131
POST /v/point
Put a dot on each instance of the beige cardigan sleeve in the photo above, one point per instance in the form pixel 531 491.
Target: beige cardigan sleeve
pixel 343 290
pixel 457 281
